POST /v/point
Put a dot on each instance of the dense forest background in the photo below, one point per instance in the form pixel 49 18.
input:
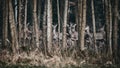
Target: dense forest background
pixel 59 33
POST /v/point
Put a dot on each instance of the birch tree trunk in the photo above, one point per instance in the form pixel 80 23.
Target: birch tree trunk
pixel 39 12
pixel 83 24
pixel 76 16
pixel 5 23
pixel 80 7
pixel 110 36
pixel 109 27
pixel 25 23
pixel 44 28
pixel 19 23
pixel 58 13
pixel 94 26
pixel 115 30
pixel 64 40
pixel 107 23
pixel 36 23
pixel 13 28
pixel 16 10
pixel 49 24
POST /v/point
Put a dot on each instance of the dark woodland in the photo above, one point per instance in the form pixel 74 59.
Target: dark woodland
pixel 59 33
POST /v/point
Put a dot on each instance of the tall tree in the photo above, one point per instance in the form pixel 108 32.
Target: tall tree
pixel 58 13
pixel 115 29
pixel 36 23
pixel 5 24
pixel 83 24
pixel 16 10
pixel 109 26
pixel 49 24
pixel 64 40
pixel 13 28
pixel 110 29
pixel 94 25
pixel 44 34
pixel 39 12
pixel 76 15
pixel 25 23
pixel 80 12
pixel 19 22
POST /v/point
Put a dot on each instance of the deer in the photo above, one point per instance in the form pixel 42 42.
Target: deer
pixel 99 37
pixel 73 35
pixel 55 33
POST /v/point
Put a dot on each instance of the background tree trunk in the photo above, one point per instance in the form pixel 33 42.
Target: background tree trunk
pixel 25 23
pixel 109 27
pixel 13 28
pixel 76 16
pixel 115 30
pixel 94 26
pixel 19 23
pixel 64 40
pixel 80 7
pixel 58 13
pixel 83 24
pixel 5 24
pixel 107 23
pixel 36 29
pixel 39 12
pixel 45 28
pixel 16 10
pixel 49 24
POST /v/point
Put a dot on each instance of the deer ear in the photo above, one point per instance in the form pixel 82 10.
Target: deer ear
pixel 56 25
pixel 74 25
pixel 87 27
pixel 71 24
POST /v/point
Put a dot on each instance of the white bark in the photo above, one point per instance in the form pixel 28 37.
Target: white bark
pixel 94 26
pixel 65 24
pixel 49 24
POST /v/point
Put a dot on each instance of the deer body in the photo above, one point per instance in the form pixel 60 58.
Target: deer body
pixel 56 35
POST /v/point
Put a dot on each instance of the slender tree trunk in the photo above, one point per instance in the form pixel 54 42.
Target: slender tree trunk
pixel 80 7
pixel 49 25
pixel 36 23
pixel 94 26
pixel 39 12
pixel 5 23
pixel 64 40
pixel 16 10
pixel 44 28
pixel 19 22
pixel 115 29
pixel 13 28
pixel 107 23
pixel 58 13
pixel 76 16
pixel 110 29
pixel 25 23
pixel 83 24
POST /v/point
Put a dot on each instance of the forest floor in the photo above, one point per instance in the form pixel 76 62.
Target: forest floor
pixel 35 59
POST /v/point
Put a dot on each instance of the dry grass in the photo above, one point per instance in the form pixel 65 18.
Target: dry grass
pixel 38 59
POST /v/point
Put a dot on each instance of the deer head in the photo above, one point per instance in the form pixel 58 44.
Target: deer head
pixel 87 30
pixel 55 34
pixel 54 28
pixel 71 28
